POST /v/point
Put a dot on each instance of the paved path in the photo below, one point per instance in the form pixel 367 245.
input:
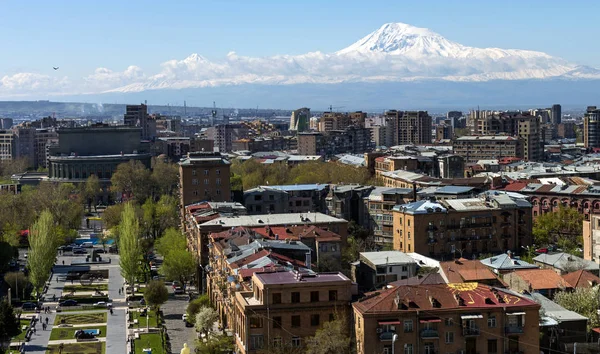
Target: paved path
pixel 116 332
pixel 173 311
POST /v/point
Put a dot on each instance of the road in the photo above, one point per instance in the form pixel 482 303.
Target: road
pixel 173 311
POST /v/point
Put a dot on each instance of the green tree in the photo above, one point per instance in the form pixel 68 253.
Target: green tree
pixel 205 319
pixel 156 294
pixel 583 301
pixel 91 190
pixel 9 324
pixel 563 226
pixel 171 239
pixel 132 179
pixel 43 243
pixel 165 177
pixel 214 345
pixel 7 253
pixel 195 305
pixel 331 338
pixel 158 216
pixel 130 248
pixel 178 264
pixel 111 217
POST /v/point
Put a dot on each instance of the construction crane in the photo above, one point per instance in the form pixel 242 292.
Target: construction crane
pixel 331 108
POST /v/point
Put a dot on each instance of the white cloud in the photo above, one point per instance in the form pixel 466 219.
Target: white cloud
pixel 21 84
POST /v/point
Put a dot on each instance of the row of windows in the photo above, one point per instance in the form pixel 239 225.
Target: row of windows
pixel 206 181
pixel 492 347
pixel 295 321
pixel 206 192
pixel 448 322
pixel 206 172
pixel 314 297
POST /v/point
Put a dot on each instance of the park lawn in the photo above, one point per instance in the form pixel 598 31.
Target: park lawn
pixel 69 332
pixel 21 336
pixel 151 340
pixel 142 319
pixel 79 348
pixel 82 318
pixel 76 288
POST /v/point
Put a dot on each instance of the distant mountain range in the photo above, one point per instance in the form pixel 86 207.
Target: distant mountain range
pixel 396 66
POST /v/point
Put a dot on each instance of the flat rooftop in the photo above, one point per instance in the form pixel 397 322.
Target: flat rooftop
pixel 273 219
pixel 291 277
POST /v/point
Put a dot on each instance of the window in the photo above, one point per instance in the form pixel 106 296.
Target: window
pixel 408 349
pixel 193 172
pixel 218 181
pixel 408 326
pixel 195 193
pixel 449 337
pixel 195 181
pixel 255 322
pixel 408 222
pixel 206 181
pixel 296 341
pixel 409 235
pixel 206 172
pixel 271 197
pixel 492 346
pixel 387 349
pixel 449 322
pixel 332 295
pixel 314 320
pixel 218 192
pixel 276 298
pixel 314 296
pixel 277 342
pixel 277 322
pixel 218 172
pixel 296 321
pixel 256 341
pixel 295 297
pixel 332 317
pixel 492 321
pixel 205 192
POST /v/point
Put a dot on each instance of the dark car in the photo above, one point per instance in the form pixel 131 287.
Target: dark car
pixel 189 324
pixel 79 251
pixel 28 306
pixel 68 303
pixel 99 250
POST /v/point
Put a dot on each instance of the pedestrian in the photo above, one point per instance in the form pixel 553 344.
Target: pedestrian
pixel 34 330
pixel 46 319
pixel 43 326
pixel 63 262
pixel 56 280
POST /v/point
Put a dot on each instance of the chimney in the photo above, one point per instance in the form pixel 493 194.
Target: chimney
pixel 307 261
pixel 414 192
pixel 509 253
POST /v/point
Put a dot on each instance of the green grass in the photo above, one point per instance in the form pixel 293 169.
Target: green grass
pixel 142 319
pixel 79 348
pixel 69 332
pixel 21 336
pixel 152 340
pixel 92 317
pixel 69 288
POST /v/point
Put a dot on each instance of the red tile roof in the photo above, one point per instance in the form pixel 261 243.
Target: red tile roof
pixel 542 279
pixel 515 187
pixel 581 279
pixel 465 270
pixel 468 296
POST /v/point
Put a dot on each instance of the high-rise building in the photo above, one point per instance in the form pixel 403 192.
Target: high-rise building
pixel 300 120
pixel 204 176
pixel 454 117
pixel 7 145
pixel 566 130
pixel 591 127
pixel 6 123
pixel 556 114
pixel 43 138
pixel 414 127
pixel 528 128
pixel 443 131
pixel 137 116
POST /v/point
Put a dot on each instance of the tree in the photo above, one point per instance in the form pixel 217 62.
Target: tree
pixel 563 226
pixel 7 253
pixel 171 239
pixel 17 282
pixel 158 216
pixel 583 301
pixel 111 217
pixel 165 177
pixel 205 319
pixel 156 294
pixel 43 243
pixel 214 345
pixel 178 264
pixel 132 180
pixel 331 338
pixel 91 190
pixel 130 248
pixel 195 305
pixel 9 324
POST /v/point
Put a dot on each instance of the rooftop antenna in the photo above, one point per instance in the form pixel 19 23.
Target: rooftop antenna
pixel 184 108
pixel 213 114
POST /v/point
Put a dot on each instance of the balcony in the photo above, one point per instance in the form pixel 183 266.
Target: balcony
pixel 471 331
pixel 429 333
pixel 386 336
pixel 513 329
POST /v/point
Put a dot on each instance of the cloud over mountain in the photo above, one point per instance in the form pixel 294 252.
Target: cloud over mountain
pixel 395 52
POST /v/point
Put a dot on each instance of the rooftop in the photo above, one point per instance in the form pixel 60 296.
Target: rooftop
pixel 387 257
pixel 566 261
pixel 273 219
pixel 291 277
pixel 506 262
pixel 581 279
pixel 540 279
pixel 298 187
pixel 555 311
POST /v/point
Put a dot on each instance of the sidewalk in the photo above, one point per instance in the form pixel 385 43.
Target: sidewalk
pixel 116 330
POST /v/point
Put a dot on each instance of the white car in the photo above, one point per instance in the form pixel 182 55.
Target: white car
pixel 184 317
pixel 101 304
pixel 154 268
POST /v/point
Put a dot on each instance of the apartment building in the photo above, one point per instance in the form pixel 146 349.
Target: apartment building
pixel 42 140
pixel 591 127
pixel 374 270
pixel 300 119
pixel 285 308
pixel 473 148
pixel 463 227
pixel 341 121
pixel 204 176
pixel 379 204
pixel 467 318
pixel 414 127
pixel 264 199
pixel 353 140
pixel 137 116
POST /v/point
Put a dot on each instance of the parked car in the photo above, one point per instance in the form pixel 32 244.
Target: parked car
pixel 179 290
pixel 101 304
pixel 541 250
pixel 68 303
pixel 79 251
pixel 87 244
pixel 184 317
pixel 28 306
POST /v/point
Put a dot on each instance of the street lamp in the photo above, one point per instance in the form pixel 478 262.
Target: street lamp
pixel 394 339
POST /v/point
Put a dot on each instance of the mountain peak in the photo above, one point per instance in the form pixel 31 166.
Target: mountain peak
pixel 404 39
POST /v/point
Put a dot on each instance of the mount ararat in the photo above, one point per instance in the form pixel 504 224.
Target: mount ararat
pixel 396 66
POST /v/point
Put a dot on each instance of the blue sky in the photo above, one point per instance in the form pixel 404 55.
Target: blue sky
pixel 80 36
